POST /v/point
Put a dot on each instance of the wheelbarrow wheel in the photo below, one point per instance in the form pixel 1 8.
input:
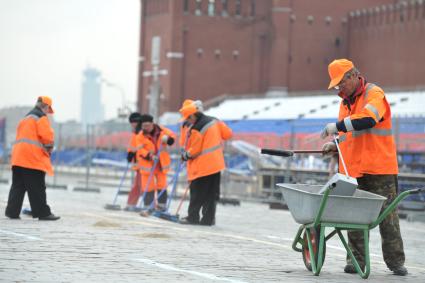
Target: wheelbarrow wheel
pixel 314 236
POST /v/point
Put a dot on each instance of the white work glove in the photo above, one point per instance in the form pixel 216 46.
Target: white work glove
pixel 151 157
pixel 329 147
pixel 329 130
pixel 185 156
pixel 154 158
pixel 164 139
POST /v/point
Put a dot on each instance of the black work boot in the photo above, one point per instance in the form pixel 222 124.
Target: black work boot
pixel 50 217
pixel 349 268
pixel 12 216
pixel 187 221
pixel 399 270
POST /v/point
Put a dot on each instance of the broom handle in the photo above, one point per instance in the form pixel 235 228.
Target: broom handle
pixel 121 182
pixel 181 201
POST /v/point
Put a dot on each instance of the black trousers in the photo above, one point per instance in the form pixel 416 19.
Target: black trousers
pixel 149 197
pixel 204 193
pixel 31 181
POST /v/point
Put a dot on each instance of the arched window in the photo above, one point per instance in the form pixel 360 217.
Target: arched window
pixel 252 13
pixel 211 7
pixel 185 6
pixel 224 12
pixel 198 10
pixel 238 7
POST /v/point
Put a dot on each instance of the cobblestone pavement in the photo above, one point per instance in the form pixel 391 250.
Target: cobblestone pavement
pixel 250 243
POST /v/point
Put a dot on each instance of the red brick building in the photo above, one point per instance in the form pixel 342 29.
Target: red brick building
pixel 214 47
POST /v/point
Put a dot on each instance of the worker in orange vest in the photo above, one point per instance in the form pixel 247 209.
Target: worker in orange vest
pixel 367 145
pixel 133 196
pixel 205 161
pixel 31 161
pixel 185 126
pixel 153 144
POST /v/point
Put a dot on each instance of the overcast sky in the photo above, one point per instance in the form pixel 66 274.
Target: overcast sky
pixel 46 44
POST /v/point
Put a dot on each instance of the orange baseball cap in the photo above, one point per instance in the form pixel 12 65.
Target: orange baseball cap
pixel 337 69
pixel 188 108
pixel 46 100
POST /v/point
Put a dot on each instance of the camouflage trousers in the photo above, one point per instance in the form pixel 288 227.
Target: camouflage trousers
pixel 392 244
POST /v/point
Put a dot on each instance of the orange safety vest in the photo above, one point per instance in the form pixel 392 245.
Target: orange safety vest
pixel 205 147
pixel 145 145
pixel 184 128
pixel 34 142
pixel 370 151
pixel 132 147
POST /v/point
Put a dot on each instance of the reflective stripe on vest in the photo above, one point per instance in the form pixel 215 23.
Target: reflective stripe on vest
pixel 207 126
pixel 378 132
pixel 368 87
pixel 373 109
pixel 144 168
pixel 35 117
pixel 138 147
pixel 348 124
pixel 36 143
pixel 208 150
pixel 136 166
pixel 166 167
pixel 132 148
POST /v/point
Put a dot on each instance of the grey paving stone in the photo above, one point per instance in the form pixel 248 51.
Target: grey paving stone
pixel 250 243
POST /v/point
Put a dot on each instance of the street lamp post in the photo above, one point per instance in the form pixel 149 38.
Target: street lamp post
pixel 155 87
pixel 122 112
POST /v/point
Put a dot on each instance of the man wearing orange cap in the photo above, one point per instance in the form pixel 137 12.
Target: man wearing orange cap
pixel 205 160
pixel 31 161
pixel 368 148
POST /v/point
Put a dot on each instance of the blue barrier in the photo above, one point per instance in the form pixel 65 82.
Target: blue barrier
pixel 407 125
pixel 78 157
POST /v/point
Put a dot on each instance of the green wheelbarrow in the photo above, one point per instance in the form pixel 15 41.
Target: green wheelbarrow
pixel 316 212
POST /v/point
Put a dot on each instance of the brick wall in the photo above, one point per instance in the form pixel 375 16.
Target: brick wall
pixel 246 48
pixel 387 44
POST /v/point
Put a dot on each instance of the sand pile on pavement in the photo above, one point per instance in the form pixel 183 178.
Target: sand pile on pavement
pixel 104 223
pixel 154 235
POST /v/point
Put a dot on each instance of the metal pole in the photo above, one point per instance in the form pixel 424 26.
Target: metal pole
pixel 88 157
pixel 397 133
pixel 289 160
pixel 58 149
pixel 154 96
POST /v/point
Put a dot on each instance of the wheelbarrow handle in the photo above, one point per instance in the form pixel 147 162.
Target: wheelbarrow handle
pixel 416 191
pixel 393 205
pixel 286 153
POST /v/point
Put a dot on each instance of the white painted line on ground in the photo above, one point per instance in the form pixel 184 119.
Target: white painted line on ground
pixel 232 236
pixel 279 238
pixel 196 273
pixel 327 245
pixel 29 237
pixel 414 229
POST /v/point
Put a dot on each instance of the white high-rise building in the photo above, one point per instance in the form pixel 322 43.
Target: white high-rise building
pixel 91 98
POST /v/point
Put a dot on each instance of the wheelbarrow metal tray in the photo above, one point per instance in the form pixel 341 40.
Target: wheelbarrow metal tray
pixel 304 201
